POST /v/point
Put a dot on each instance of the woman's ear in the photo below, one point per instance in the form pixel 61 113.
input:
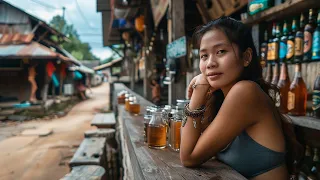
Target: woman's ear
pixel 247 57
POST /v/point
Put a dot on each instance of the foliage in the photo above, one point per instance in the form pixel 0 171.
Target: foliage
pixel 80 50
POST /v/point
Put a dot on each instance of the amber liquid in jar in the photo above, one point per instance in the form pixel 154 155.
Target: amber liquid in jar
pixel 175 135
pixel 121 99
pixel 127 104
pixel 135 109
pixel 145 129
pixel 157 136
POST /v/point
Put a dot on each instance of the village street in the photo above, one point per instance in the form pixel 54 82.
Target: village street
pixel 46 157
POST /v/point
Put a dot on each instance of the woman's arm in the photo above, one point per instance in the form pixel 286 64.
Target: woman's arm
pixel 234 116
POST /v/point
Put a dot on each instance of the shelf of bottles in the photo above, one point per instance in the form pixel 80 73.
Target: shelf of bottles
pixel 293 41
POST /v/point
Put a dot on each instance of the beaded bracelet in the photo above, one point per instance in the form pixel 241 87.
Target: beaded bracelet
pixel 199 112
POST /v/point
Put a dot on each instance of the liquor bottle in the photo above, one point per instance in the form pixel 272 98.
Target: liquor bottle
pixel 308 30
pixel 306 164
pixel 313 175
pixel 264 50
pixel 276 40
pixel 272 46
pixel 269 73
pixel 297 95
pixel 283 44
pixel 316 41
pixel 298 42
pixel 284 86
pixel 290 42
pixel 316 97
pixel 275 76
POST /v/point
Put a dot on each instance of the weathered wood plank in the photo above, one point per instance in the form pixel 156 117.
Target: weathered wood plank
pixel 145 163
pixel 85 172
pixel 107 133
pixel 286 9
pixel 104 120
pixel 90 152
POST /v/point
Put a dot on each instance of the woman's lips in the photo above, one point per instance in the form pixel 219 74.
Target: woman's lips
pixel 214 76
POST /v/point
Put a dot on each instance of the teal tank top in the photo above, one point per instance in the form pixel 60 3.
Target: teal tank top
pixel 250 158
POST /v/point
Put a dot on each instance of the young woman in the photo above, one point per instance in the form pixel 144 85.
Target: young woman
pixel 245 131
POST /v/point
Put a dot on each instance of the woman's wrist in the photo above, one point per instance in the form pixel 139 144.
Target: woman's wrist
pixel 198 97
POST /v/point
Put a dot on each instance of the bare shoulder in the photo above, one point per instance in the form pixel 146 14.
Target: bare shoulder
pixel 246 89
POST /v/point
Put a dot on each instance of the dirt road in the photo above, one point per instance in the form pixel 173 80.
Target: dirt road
pixel 25 155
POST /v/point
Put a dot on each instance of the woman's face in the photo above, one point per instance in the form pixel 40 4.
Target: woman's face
pixel 220 62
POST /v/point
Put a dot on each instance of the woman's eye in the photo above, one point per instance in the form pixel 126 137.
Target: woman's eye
pixel 221 51
pixel 203 56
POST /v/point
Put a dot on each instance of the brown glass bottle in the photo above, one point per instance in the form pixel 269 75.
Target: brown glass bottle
pixel 268 77
pixel 284 86
pixel 297 95
pixel 316 97
pixel 275 76
pixel 290 42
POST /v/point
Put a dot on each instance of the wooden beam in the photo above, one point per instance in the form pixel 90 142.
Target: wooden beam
pixel 288 8
pixel 203 11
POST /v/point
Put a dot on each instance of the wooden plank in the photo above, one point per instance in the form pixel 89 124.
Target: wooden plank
pixel 141 162
pixel 90 152
pixel 203 11
pixel 104 5
pixel 286 9
pixel 107 133
pixel 85 172
pixel 104 120
pixel 309 122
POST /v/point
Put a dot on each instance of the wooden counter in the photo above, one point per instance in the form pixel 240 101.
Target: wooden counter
pixel 140 162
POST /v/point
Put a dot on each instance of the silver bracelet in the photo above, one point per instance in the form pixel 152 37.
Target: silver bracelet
pixel 199 112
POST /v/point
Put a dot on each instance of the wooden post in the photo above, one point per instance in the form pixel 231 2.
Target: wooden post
pixel 147 63
pixel 178 30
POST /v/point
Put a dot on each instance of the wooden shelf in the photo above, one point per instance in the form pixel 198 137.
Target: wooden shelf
pixel 290 7
pixel 304 121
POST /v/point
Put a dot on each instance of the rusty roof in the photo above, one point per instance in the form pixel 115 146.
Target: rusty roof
pixel 33 50
pixel 16 38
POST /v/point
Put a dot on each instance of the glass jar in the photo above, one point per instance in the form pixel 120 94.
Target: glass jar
pixel 134 107
pixel 146 119
pixel 121 97
pixel 126 101
pixel 157 131
pixel 127 104
pixel 175 129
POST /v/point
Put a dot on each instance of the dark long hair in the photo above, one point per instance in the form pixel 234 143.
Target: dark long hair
pixel 240 34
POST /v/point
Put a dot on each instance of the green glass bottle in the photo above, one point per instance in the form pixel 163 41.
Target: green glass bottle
pixel 316 41
pixel 308 31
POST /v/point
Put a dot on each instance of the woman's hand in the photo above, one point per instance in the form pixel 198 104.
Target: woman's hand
pixel 199 80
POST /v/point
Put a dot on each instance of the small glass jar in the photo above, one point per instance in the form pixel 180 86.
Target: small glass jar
pixel 146 119
pixel 121 97
pixel 175 130
pixel 134 107
pixel 126 101
pixel 157 131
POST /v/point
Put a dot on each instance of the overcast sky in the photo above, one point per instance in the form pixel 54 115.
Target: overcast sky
pixel 89 27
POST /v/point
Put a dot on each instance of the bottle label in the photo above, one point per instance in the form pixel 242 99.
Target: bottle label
pixel 272 51
pixel 290 49
pixel 316 45
pixel 316 100
pixel 263 53
pixel 298 50
pixel 291 100
pixel 283 50
pixel 307 42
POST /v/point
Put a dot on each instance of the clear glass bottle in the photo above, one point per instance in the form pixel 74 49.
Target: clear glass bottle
pixel 157 131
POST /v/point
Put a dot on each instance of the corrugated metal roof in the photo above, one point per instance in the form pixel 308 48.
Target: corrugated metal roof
pixel 32 50
pixel 16 38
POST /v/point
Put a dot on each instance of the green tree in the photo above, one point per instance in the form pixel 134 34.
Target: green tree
pixel 80 50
